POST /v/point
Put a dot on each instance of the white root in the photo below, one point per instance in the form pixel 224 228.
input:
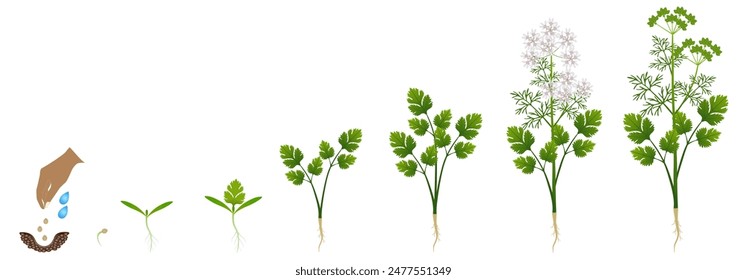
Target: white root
pixel 321 236
pixel 677 230
pixel 435 231
pixel 556 232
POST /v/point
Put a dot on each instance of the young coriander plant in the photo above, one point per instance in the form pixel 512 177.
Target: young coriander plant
pixel 292 157
pixel 662 92
pixel 422 124
pixel 560 95
pixel 234 195
pixel 147 215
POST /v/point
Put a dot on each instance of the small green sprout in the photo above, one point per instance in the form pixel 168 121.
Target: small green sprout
pixel 234 195
pixel 147 215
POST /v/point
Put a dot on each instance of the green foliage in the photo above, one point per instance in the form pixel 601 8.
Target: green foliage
pixel 670 142
pixel 644 154
pixel 147 214
pixel 521 139
pixel 436 128
pixel 639 128
pixel 295 176
pixel 291 156
pixel 234 193
pixel 325 150
pixel 351 139
pixel 549 153
pixel 346 160
pixel 588 123
pixel 681 123
pixel 559 135
pixel 712 110
pixel 525 164
pixel 706 136
pixel 582 147
pixel 315 166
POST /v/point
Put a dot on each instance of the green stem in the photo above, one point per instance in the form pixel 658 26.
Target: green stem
pixel 675 166
pixel 318 205
pixel 326 178
pixel 553 187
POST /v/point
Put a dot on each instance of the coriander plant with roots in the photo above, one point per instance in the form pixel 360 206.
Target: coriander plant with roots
pixel 151 239
pixel 235 196
pixel 435 127
pixel 663 94
pixel 349 142
pixel 559 95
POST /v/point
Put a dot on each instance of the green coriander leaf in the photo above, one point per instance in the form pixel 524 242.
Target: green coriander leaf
pixel 160 207
pixel 408 167
pixel 670 142
pixel 295 176
pixel 582 147
pixel 712 110
pixel 521 140
pixel 291 156
pixel 706 136
pixel 468 126
pixel 218 202
pixel 525 164
pixel 249 202
pixel 430 156
pixel 403 144
pixel 549 153
pixel 441 138
pixel 559 135
pixel 443 119
pixel 325 150
pixel 639 129
pixel 350 139
pixel 419 126
pixel 644 154
pixel 420 103
pixel 345 161
pixel 234 193
pixel 682 124
pixel 315 167
pixel 588 122
pixel 463 149
pixel 133 207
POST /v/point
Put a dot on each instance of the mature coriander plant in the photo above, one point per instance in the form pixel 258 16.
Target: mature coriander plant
pixel 404 145
pixel 559 95
pixel 662 92
pixel 292 157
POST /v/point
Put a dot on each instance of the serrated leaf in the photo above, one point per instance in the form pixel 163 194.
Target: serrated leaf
pixel 420 103
pixel 670 142
pixel 706 136
pixel 443 119
pixel 712 110
pixel 234 193
pixel 464 149
pixel 133 207
pixel 325 150
pixel 429 156
pixel 582 147
pixel 644 154
pixel 160 207
pixel 403 144
pixel 441 138
pixel 249 202
pixel 549 153
pixel 218 202
pixel 351 139
pixel 315 166
pixel 409 167
pixel 419 126
pixel 345 161
pixel 291 156
pixel 525 164
pixel 521 140
pixel 588 122
pixel 639 129
pixel 559 135
pixel 295 176
pixel 682 124
pixel 469 125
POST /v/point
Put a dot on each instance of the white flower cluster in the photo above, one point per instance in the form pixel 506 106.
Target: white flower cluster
pixel 551 43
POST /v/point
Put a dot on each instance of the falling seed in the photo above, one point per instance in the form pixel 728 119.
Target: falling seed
pixel 39 229
pixel 46 221
pixel 44 238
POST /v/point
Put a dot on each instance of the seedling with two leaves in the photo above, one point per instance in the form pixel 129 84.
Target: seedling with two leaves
pixel 147 215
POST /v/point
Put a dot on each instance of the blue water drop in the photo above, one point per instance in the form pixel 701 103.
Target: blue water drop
pixel 64 198
pixel 63 213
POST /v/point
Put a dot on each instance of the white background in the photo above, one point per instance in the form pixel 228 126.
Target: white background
pixel 171 100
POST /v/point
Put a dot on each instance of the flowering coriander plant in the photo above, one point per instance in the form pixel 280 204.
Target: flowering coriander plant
pixel 671 95
pixel 551 57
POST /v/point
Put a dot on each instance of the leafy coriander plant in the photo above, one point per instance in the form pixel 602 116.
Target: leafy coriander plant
pixel 559 95
pixel 422 124
pixel 661 92
pixel 235 196
pixel 292 157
